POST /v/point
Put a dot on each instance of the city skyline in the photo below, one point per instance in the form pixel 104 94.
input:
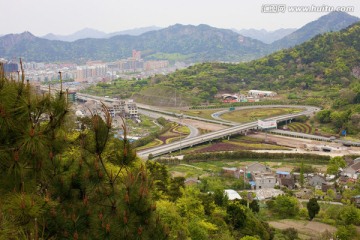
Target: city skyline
pixel 64 17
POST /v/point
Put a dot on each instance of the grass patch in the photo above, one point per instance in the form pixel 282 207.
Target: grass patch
pixel 182 129
pixel 203 113
pixel 259 146
pixel 152 144
pixel 249 115
pixel 174 139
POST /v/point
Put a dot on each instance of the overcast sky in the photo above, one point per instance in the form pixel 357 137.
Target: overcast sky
pixel 67 16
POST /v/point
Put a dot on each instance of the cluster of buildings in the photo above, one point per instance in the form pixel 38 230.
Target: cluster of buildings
pixel 251 96
pixel 267 183
pixel 91 71
pixel 117 108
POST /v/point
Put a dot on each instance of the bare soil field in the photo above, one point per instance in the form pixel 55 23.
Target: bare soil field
pixel 299 145
pixel 306 228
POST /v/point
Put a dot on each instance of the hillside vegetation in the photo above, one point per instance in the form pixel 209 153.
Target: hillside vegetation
pixel 324 71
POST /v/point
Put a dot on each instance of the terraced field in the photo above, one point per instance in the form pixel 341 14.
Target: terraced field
pixel 300 127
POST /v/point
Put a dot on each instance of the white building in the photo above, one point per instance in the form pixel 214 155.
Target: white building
pixel 232 194
pixel 259 93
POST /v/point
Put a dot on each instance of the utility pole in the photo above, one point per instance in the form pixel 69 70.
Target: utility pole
pixel 60 82
pixel 180 129
pixel 244 176
pixel 175 97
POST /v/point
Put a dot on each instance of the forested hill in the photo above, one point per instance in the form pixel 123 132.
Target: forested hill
pixel 334 21
pixel 178 42
pixel 328 59
pixel 189 43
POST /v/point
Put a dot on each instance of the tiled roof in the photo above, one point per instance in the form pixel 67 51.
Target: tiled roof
pixel 356 166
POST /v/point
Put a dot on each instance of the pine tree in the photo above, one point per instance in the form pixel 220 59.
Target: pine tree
pixel 64 184
pixel 313 208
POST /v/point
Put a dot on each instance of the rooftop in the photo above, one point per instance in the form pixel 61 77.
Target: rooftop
pixel 232 194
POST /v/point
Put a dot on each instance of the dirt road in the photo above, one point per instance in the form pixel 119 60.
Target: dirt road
pixel 301 145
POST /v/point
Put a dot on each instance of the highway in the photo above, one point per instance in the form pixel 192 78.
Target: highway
pixel 224 133
pixel 193 139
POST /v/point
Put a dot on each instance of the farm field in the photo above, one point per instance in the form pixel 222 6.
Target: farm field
pixel 300 127
pixel 306 229
pixel 235 144
pixel 196 169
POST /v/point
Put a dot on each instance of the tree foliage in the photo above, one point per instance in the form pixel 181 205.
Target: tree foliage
pixel 285 206
pixel 335 164
pixel 313 208
pixel 64 184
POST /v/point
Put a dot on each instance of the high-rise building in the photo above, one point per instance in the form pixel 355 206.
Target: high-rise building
pixel 136 55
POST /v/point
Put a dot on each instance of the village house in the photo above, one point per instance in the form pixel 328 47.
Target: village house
pixel 352 171
pixel 257 168
pixel 285 179
pixel 260 175
pixel 326 186
pixel 264 181
pixel 282 174
pixel 287 182
pixel 316 181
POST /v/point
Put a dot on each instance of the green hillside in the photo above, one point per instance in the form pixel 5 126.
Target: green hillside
pixel 324 71
pixel 329 60
pixel 334 21
pixel 178 42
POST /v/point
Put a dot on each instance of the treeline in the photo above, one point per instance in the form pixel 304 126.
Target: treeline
pixel 243 104
pixel 307 157
pixel 344 113
pixel 152 136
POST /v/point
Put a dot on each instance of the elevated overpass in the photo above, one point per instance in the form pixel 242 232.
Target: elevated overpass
pixel 224 133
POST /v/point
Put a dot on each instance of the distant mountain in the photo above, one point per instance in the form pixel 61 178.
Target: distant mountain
pixel 93 33
pixel 84 33
pixel 264 35
pixel 333 21
pixel 135 31
pixel 189 43
pixel 185 42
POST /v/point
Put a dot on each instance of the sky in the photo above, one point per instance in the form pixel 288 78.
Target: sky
pixel 68 16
